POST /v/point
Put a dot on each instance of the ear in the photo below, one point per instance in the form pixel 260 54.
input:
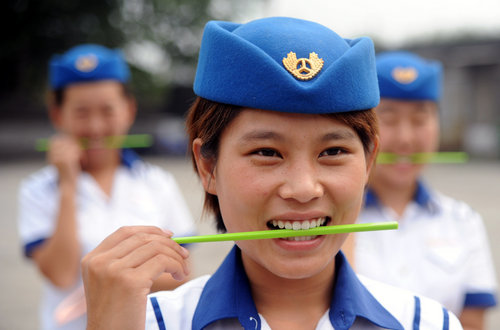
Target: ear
pixel 132 109
pixel 205 167
pixel 371 158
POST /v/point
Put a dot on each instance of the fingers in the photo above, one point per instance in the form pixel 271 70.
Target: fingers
pixel 64 148
pixel 148 252
pixel 142 247
pixel 65 154
pixel 160 264
pixel 144 250
pixel 126 232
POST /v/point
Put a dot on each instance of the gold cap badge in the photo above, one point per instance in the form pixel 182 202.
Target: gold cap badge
pixel 404 75
pixel 303 68
pixel 86 63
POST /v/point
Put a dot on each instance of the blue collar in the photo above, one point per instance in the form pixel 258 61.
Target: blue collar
pixel 422 196
pixel 351 300
pixel 128 157
pixel 227 295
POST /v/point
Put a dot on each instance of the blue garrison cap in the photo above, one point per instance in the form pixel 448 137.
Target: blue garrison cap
pixel 86 63
pixel 286 64
pixel 404 75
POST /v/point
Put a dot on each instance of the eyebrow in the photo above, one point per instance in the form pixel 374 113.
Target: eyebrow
pixel 261 135
pixel 270 135
pixel 340 135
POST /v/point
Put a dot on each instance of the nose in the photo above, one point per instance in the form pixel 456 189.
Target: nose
pixel 405 135
pixel 301 183
pixel 96 126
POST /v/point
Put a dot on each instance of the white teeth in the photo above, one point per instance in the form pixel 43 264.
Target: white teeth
pixel 301 238
pixel 298 225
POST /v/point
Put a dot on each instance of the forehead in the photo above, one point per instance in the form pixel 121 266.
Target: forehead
pixel 254 123
pixel 100 85
pixel 403 107
pixel 93 92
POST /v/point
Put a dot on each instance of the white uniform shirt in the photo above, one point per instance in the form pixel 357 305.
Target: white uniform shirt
pixel 142 194
pixel 440 250
pixel 224 301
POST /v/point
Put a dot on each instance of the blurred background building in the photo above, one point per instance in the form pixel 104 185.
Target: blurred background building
pixel 161 38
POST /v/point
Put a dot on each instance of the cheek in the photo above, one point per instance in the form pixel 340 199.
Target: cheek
pixel 242 195
pixel 347 189
pixel 117 122
pixel 74 125
pixel 239 180
pixel 388 136
pixel 430 136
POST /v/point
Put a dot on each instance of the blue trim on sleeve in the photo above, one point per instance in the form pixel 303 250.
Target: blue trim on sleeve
pixel 416 316
pixel 446 319
pixel 484 299
pixel 30 247
pixel 158 315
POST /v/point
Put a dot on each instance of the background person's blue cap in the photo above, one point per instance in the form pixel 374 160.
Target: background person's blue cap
pixel 407 76
pixel 86 63
pixel 286 64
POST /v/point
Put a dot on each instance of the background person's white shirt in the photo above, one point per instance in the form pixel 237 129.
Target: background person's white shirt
pixel 440 250
pixel 142 194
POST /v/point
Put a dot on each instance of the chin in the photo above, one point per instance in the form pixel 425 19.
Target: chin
pixel 300 269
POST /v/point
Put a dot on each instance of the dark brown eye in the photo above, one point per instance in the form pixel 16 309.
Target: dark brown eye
pixel 332 152
pixel 267 153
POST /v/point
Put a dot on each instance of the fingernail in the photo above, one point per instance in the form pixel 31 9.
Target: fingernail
pixel 168 232
pixel 185 252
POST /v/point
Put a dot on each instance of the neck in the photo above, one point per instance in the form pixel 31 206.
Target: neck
pixel 103 171
pixel 291 303
pixel 393 196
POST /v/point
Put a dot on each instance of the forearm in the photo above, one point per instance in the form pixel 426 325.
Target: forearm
pixel 121 312
pixel 473 318
pixel 59 257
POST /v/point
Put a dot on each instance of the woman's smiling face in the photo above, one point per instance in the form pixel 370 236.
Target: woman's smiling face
pixel 280 169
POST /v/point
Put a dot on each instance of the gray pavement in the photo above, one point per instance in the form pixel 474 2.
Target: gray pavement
pixel 478 183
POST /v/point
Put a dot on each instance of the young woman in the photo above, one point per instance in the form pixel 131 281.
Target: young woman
pixel 282 135
pixel 91 187
pixel 441 248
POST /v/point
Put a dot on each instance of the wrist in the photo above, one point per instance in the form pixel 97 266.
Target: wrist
pixel 67 187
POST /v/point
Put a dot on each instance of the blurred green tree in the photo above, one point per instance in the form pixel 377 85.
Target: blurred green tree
pixel 159 37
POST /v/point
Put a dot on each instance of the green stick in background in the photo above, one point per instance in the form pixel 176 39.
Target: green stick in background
pixel 454 157
pixel 282 233
pixel 112 142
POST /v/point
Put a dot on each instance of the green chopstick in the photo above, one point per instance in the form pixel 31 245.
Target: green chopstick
pixel 282 233
pixel 112 142
pixel 444 157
